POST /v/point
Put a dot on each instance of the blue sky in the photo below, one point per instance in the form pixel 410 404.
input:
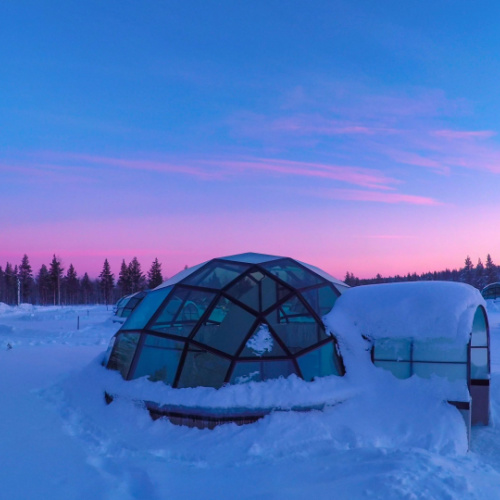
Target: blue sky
pixel 358 136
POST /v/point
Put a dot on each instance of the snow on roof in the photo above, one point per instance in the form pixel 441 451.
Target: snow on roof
pixel 418 310
pixel 248 258
pixel 180 276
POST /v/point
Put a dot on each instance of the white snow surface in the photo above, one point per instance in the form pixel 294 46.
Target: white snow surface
pixel 377 438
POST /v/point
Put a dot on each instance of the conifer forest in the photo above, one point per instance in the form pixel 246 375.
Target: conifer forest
pixel 54 284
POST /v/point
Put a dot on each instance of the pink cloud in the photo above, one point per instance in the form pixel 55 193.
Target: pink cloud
pixel 464 134
pixel 377 196
pixel 219 169
pixel 415 159
pixel 365 177
pixel 144 165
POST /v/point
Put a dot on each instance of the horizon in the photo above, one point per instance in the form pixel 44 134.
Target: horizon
pixel 115 265
pixel 358 138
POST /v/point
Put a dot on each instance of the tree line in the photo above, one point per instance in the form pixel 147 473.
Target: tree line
pixel 52 285
pixel 478 276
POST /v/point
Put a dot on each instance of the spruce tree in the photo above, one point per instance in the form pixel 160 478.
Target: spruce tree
pixel 86 288
pixel 467 273
pixel 155 277
pixel 56 274
pixel 26 279
pixel 124 279
pixel 479 278
pixel 137 280
pixel 106 281
pixel 2 285
pixel 44 285
pixel 72 285
pixel 10 280
pixel 491 273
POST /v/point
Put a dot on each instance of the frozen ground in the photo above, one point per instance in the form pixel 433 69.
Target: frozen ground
pixel 58 439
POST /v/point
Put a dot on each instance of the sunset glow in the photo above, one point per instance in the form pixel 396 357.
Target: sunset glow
pixel 358 137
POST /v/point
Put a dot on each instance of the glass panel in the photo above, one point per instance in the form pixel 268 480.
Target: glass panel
pixel 479 363
pixel 227 327
pixel 203 368
pixel 159 359
pixel 142 313
pixel 108 351
pixel 392 349
pixel 257 275
pixel 182 312
pixel 298 336
pixel 246 290
pixel 491 292
pixel 261 344
pixel 259 371
pixel 216 275
pixel 439 350
pixel 269 292
pixel 479 333
pixel 451 371
pixel 123 352
pixel 321 299
pixel 319 363
pixel 251 258
pixel 294 311
pixel 246 372
pixel 398 369
pixel 292 273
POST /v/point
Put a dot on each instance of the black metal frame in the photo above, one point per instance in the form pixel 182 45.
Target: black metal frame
pixel 284 291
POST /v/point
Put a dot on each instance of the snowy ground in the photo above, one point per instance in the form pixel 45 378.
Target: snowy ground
pixel 59 440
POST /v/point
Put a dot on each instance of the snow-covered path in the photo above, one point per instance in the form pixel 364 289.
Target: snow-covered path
pixel 59 440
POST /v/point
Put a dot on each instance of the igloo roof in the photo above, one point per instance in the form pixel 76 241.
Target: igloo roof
pixel 230 320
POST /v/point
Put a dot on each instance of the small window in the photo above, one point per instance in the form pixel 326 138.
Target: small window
pixel 159 359
pixel 142 313
pixel 203 368
pixel 320 363
pixel 123 352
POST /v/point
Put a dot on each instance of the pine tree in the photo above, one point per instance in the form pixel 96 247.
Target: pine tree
pixel 155 277
pixel 106 281
pixel 86 288
pixel 10 280
pixel 26 279
pixel 137 280
pixel 467 273
pixel 56 274
pixel 491 273
pixel 72 285
pixel 2 285
pixel 44 284
pixel 124 279
pixel 479 277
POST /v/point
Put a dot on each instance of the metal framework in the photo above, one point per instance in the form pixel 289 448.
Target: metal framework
pixel 235 319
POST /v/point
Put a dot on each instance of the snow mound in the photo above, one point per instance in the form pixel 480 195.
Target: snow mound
pixel 420 310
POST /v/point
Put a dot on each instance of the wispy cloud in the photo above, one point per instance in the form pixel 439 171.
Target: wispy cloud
pixel 353 124
pixel 464 134
pixel 377 196
pixel 227 168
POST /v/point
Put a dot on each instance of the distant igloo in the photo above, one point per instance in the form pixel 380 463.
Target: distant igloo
pixel 231 320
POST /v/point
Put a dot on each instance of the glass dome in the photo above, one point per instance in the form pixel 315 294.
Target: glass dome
pixel 236 319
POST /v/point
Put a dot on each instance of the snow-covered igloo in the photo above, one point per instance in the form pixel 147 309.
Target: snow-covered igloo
pixel 128 303
pixel 491 291
pixel 248 317
pixel 428 329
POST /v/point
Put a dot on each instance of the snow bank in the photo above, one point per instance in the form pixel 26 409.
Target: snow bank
pixel 387 413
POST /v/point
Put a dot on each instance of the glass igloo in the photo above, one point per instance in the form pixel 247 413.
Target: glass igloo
pixel 232 320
